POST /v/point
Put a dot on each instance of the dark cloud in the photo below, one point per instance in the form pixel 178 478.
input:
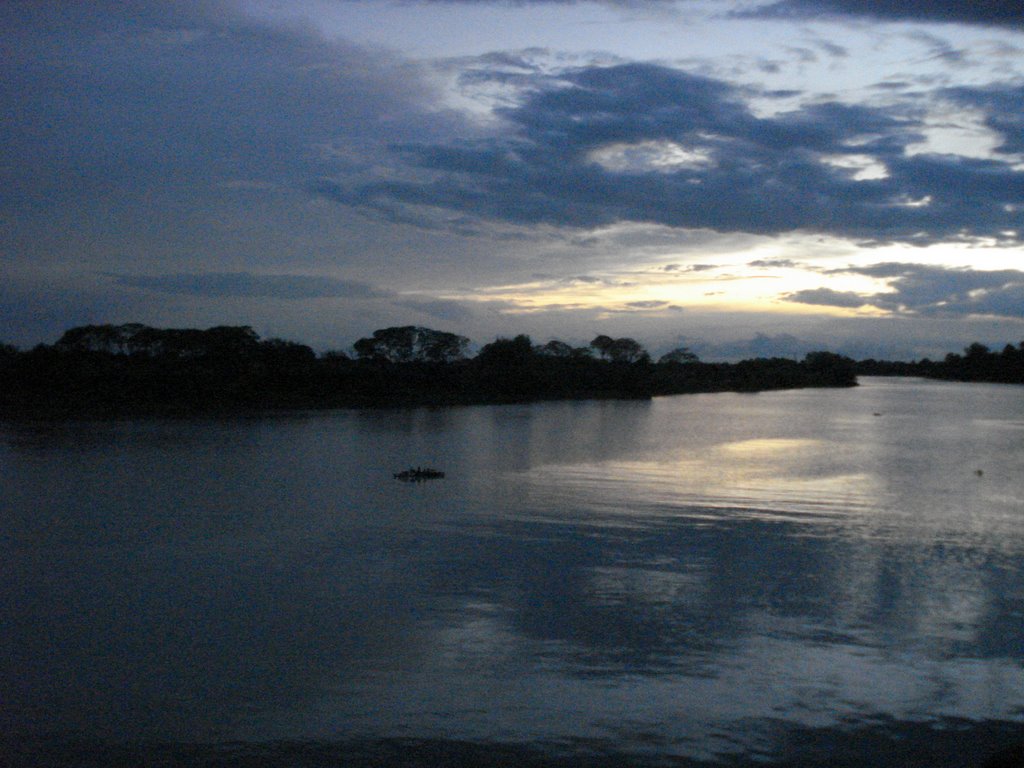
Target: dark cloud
pixel 688 267
pixel 441 309
pixel 834 50
pixel 626 4
pixel 652 304
pixel 892 85
pixel 804 55
pixel 942 50
pixel 1007 13
pixel 1003 107
pixel 732 171
pixel 248 285
pixel 928 290
pixel 829 298
pixel 106 98
pixel 774 263
pixel 934 290
pixel 35 313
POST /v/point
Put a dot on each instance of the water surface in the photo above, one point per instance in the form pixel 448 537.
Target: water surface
pixel 785 578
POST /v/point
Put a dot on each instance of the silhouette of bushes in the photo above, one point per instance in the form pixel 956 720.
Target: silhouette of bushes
pixel 412 343
pixel 978 363
pixel 133 368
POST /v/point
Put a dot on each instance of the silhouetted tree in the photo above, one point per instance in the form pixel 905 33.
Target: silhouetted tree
pixel 229 341
pixel 976 351
pixel 627 350
pixel 106 369
pixel 679 355
pixel 555 348
pixel 334 356
pixel 410 343
pixel 507 352
pixel 830 367
pixel 603 345
pixel 282 353
pixel 623 350
pixel 442 347
pixel 112 339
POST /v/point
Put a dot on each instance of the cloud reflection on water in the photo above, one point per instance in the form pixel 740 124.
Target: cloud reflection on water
pixel 595 572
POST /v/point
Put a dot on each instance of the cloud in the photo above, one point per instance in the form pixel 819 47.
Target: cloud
pixel 1006 13
pixel 834 50
pixel 651 304
pixel 144 97
pixel 249 285
pixel 650 144
pixel 1003 107
pixel 762 345
pixel 941 50
pixel 828 297
pixel 688 267
pixel 926 290
pixel 625 4
pixel 31 312
pixel 441 309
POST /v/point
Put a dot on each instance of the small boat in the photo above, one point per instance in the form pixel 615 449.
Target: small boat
pixel 419 473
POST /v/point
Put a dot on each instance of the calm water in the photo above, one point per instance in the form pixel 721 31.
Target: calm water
pixel 793 578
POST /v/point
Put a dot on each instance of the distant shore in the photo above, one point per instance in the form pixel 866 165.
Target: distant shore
pixel 977 363
pixel 137 370
pixel 134 369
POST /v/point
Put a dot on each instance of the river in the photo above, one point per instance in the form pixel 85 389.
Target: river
pixel 810 577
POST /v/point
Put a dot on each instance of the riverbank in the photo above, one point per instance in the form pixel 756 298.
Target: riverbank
pixel 230 370
pixel 94 384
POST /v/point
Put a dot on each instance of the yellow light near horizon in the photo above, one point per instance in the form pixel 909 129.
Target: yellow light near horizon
pixel 729 292
pixel 767 277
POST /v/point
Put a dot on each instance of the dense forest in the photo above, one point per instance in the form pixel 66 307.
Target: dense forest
pixel 133 368
pixel 978 363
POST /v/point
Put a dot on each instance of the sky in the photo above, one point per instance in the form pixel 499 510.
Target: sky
pixel 765 177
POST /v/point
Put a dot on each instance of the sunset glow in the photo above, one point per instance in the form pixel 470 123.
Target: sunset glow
pixel 703 170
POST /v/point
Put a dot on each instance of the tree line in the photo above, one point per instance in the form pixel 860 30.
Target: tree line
pixel 134 368
pixel 977 363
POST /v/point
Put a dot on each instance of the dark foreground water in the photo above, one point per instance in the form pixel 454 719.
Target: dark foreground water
pixel 818 577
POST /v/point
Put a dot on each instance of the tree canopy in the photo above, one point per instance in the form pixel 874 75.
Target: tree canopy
pixel 512 352
pixel 624 350
pixel 678 355
pixel 136 368
pixel 137 339
pixel 412 343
